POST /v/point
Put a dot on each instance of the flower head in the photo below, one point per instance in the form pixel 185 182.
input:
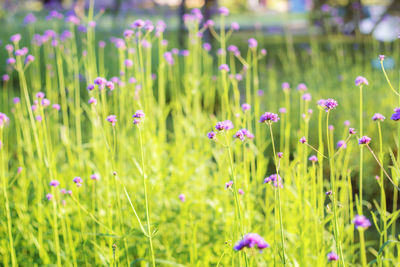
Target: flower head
pixel 251 240
pixel 360 80
pixel 139 114
pixel 313 158
pixel 49 196
pixel 228 185
pixel 381 57
pixel 303 140
pixel 224 125
pixel 182 197
pixel 306 97
pixel 223 11
pixel 243 133
pixel 54 183
pixel 3 120
pixel 224 67
pixel 352 131
pixel 332 256
pixel 252 43
pixel 112 119
pixel 330 104
pixel 360 221
pixel 364 140
pixel 396 114
pixel 95 177
pixel 378 116
pixel 341 144
pixel 269 117
pixel 245 107
pixel 212 135
pixel 275 179
pixel 302 87
pixel 92 101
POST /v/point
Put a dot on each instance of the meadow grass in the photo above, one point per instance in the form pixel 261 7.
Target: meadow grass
pixel 131 152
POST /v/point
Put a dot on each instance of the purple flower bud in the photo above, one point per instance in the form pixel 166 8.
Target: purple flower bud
pixel 110 85
pixel 112 119
pixel 212 135
pixel 251 240
pixel 396 115
pixel 77 180
pixel 378 116
pixel 90 87
pixel 245 107
pixel 282 110
pixel 360 80
pixel 5 78
pixel 95 177
pixel 364 140
pixel 303 140
pixel 302 87
pixel 235 26
pixel 102 44
pixel 15 38
pixel 139 114
pixel 228 185
pixel 347 123
pixel 16 100
pixel 54 183
pixel 341 144
pixel 275 179
pixel 224 68
pixel 313 158
pixel 240 191
pixel 182 197
pixel 56 106
pixel 92 101
pixel 223 11
pixel 306 97
pixel 49 196
pixel 330 104
pixel 360 221
pixel 280 155
pixel 252 43
pixel 332 256
pixel 45 102
pixel 352 131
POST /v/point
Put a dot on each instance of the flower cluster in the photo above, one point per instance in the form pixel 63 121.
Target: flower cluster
pixel 138 116
pixel 251 240
pixel 360 221
pixel 243 133
pixel 378 117
pixel 364 140
pixel 112 119
pixel 360 80
pixel 3 120
pixel 275 179
pixel 224 125
pixel 269 117
pixel 330 104
pixel 396 114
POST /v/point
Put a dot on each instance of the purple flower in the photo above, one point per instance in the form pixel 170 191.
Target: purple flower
pixel 182 197
pixel 240 191
pixel 139 114
pixel 54 183
pixel 331 127
pixel 352 131
pixel 282 110
pixel 92 101
pixel 243 133
pixel 110 85
pixel 15 38
pixel 29 19
pixel 224 125
pixel 5 77
pixel 279 155
pixel 245 107
pixel 211 135
pixel 346 123
pixel 10 61
pixel 3 120
pixel 302 87
pixel 128 63
pixel 381 57
pixel 90 87
pixel 223 11
pixel 112 119
pixel 169 58
pixel 306 97
pixel 138 23
pixel 396 114
pixel 102 44
pixel 56 106
pixel 16 100
pixel 228 185
pixel 341 144
pixel 235 26
pixel 360 80
pixel 77 180
pixel 303 140
pixel 224 67
pixel 207 46
pixel 378 116
pixel 332 256
pixel 313 158
pixel 330 104
pixel 45 102
pixel 360 221
pixel 252 43
pixel 364 140
pixel 275 179
pixel 251 240
pixel 269 117
pixel 49 196
pixel 94 177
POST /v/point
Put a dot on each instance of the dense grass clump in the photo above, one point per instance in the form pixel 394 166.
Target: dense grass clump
pixel 130 152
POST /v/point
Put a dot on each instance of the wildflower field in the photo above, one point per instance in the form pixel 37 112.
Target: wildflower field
pixel 118 149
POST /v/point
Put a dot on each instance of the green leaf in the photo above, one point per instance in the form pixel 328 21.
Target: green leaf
pixel 385 244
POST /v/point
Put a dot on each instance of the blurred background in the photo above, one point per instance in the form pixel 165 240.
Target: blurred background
pixel 379 18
